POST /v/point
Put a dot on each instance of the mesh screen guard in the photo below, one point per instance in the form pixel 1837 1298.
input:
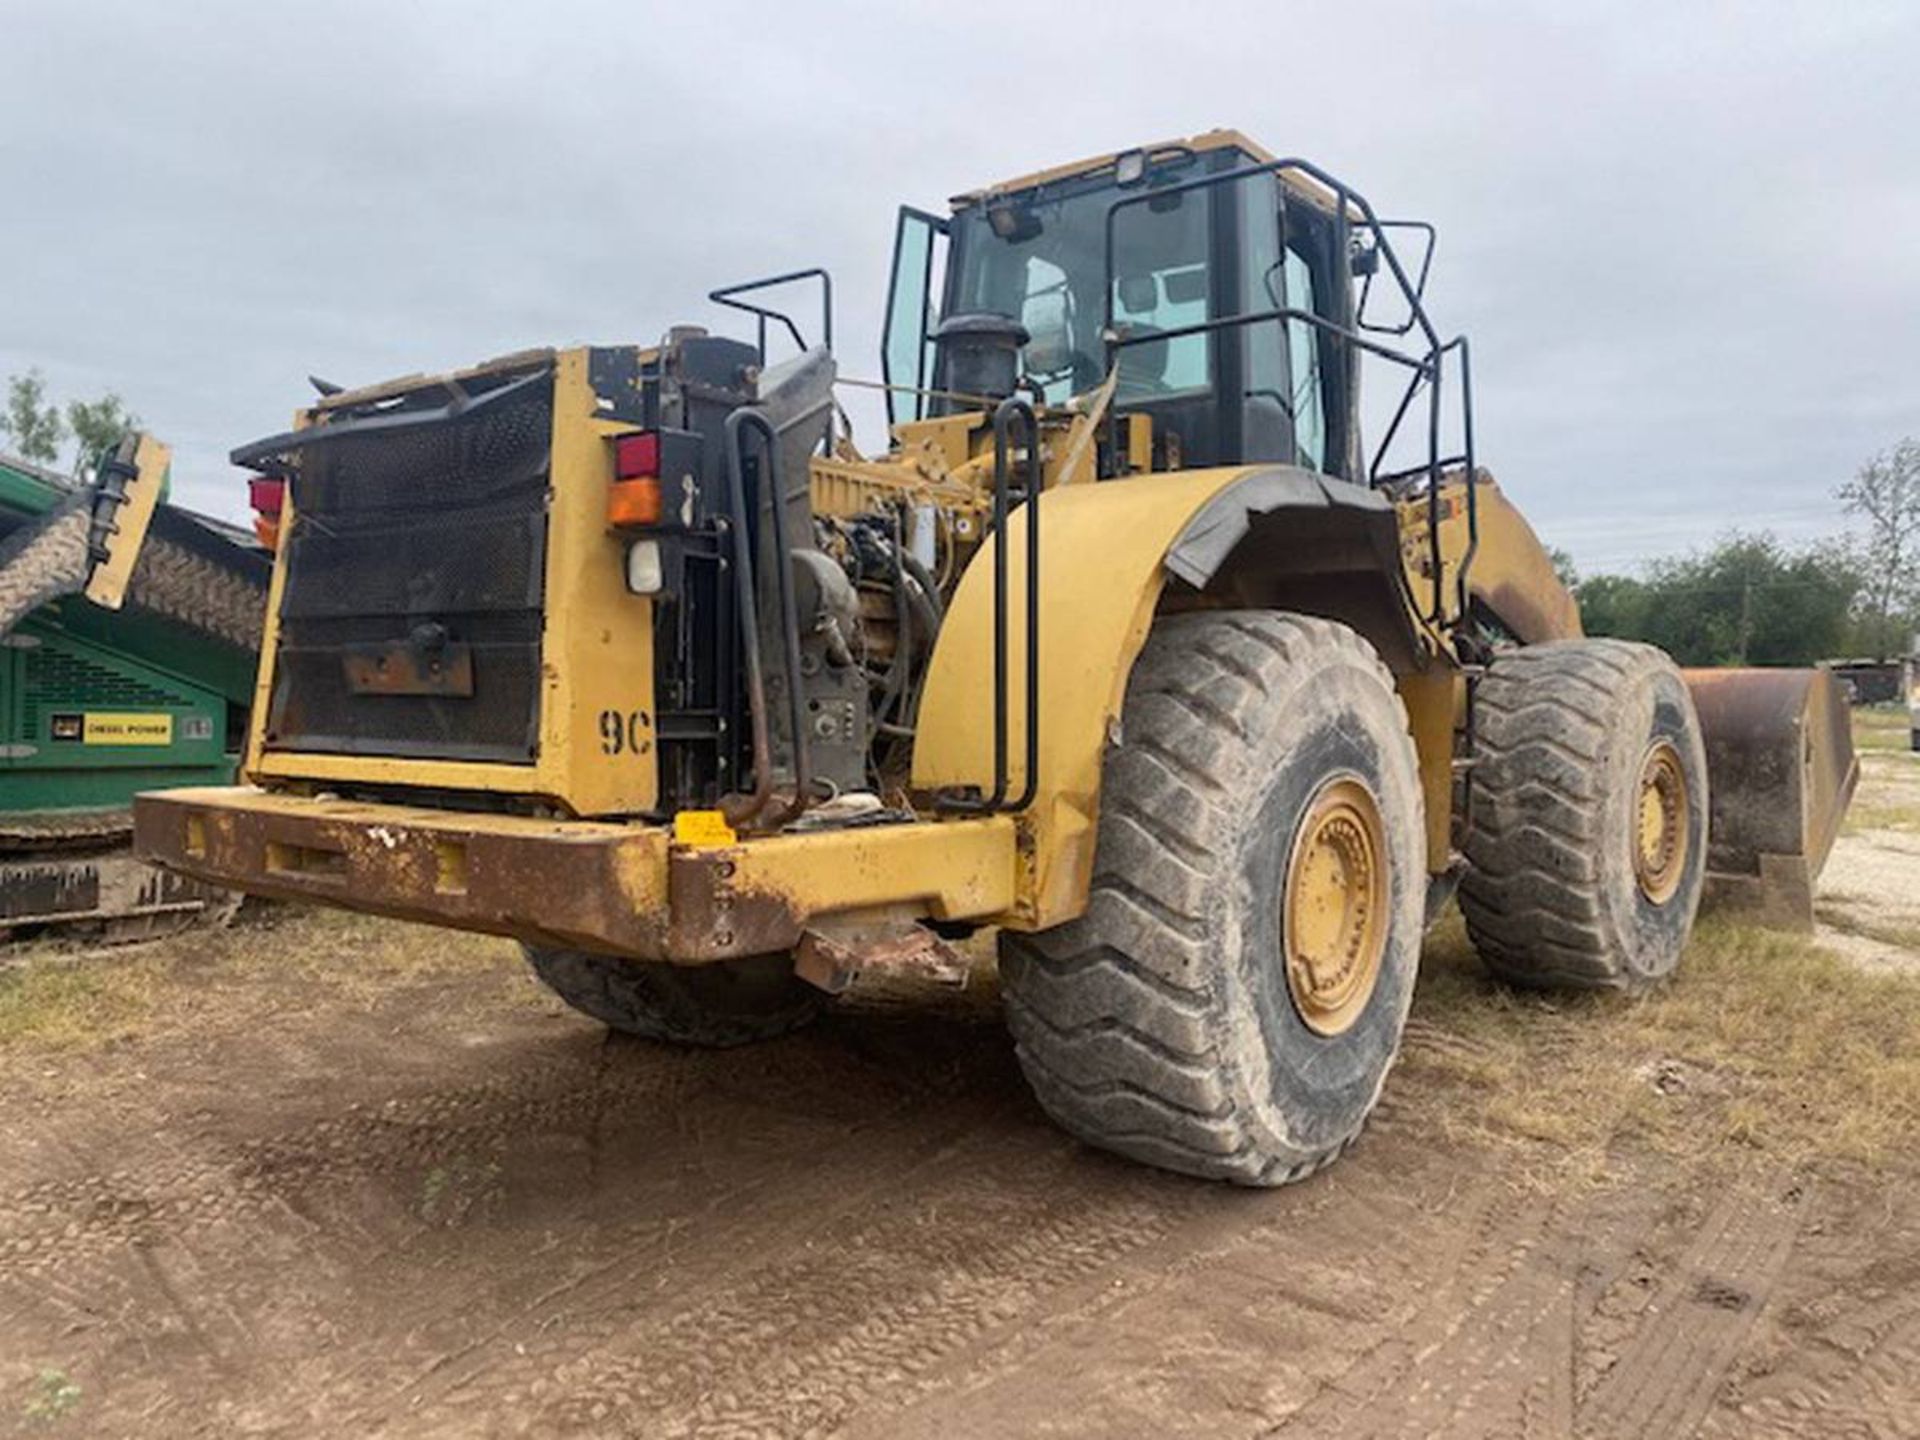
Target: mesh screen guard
pixel 419 535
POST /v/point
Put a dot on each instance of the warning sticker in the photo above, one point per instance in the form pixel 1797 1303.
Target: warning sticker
pixel 127 728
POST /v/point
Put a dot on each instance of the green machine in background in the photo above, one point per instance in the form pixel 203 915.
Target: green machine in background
pixel 129 631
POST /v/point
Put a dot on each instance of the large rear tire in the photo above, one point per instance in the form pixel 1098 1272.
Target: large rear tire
pixel 1587 846
pixel 717 1005
pixel 1232 999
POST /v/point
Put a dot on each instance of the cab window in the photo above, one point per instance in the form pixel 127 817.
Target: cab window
pixel 1284 405
pixel 1160 283
pixel 1308 404
pixel 1045 267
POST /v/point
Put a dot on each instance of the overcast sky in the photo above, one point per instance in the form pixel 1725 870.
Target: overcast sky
pixel 1684 238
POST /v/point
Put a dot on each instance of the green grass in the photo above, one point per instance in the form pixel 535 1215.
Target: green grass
pixel 58 996
pixel 1762 1042
pixel 1865 815
pixel 50 1004
pixel 53 1397
pixel 1889 793
pixel 1882 728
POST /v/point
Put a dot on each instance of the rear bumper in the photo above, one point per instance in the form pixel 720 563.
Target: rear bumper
pixel 625 889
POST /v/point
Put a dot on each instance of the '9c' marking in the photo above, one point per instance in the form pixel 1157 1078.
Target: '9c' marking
pixel 624 734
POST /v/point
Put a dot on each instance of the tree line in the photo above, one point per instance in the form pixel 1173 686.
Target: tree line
pixel 33 427
pixel 1752 600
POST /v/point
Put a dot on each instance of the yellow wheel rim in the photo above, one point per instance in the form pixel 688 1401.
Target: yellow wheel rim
pixel 1334 915
pixel 1660 816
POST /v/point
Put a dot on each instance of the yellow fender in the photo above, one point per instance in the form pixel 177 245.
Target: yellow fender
pixel 1108 552
pixel 1512 572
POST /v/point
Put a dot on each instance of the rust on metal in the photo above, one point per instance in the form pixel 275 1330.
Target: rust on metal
pixel 1780 773
pixel 50 889
pixel 575 884
pixel 596 885
pixel 714 916
pixel 405 669
pixel 836 950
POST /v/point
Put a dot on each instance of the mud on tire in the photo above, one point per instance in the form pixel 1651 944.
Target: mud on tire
pixel 1554 894
pixel 725 1003
pixel 1161 1024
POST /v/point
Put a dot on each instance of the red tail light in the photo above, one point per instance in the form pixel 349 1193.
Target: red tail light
pixel 266 493
pixel 634 499
pixel 637 457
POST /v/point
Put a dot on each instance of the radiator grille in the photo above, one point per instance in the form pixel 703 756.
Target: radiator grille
pixel 415 529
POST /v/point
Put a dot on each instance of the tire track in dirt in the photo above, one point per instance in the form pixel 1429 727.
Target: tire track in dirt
pixel 1483 1354
pixel 1667 1376
pixel 57 1222
pixel 869 1231
pixel 626 1267
pixel 1844 1355
pixel 1292 1265
pixel 222 1255
pixel 447 1311
pixel 1873 1391
pixel 268 1228
pixel 1275 1270
pixel 894 1298
pixel 1483 1277
pixel 795 1339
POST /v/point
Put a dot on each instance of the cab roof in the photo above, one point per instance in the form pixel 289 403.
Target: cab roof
pixel 1201 144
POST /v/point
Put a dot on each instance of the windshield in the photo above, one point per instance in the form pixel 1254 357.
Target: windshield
pixel 1046 267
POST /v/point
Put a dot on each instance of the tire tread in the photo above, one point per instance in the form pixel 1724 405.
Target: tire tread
pixel 657 1000
pixel 1120 1051
pixel 1531 894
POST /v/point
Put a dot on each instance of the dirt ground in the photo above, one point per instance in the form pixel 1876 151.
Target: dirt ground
pixel 1869 906
pixel 317 1175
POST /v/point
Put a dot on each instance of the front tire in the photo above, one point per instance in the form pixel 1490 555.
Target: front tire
pixel 716 1005
pixel 1587 847
pixel 1232 999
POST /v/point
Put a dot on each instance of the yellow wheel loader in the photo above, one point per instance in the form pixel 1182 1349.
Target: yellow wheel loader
pixel 1130 646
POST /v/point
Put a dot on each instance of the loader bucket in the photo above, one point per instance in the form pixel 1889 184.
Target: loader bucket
pixel 1780 771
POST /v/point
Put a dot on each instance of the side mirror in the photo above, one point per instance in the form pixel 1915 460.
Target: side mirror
pixel 1016 224
pixel 1364 261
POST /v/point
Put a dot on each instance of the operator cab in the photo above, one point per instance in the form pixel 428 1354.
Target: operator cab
pixel 1127 247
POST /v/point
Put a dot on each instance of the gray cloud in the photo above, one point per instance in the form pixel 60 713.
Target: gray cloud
pixel 1686 240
